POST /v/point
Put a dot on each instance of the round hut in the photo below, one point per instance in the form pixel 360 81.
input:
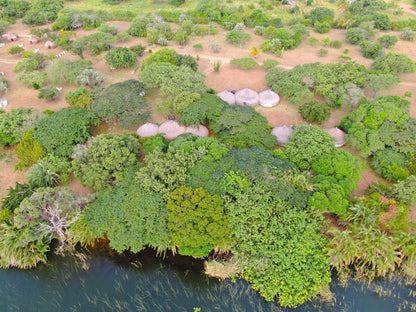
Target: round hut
pixel 148 129
pixel 171 129
pixel 282 133
pixel 11 37
pixel 33 40
pixel 247 97
pixel 201 130
pixel 49 44
pixel 227 96
pixel 269 98
pixel 338 135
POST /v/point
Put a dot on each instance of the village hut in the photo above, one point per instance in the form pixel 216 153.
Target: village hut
pixel 282 134
pixel 268 98
pixel 33 40
pixel 247 97
pixel 201 130
pixel 171 129
pixel 3 102
pixel 49 44
pixel 11 37
pixel 147 130
pixel 227 96
pixel 338 135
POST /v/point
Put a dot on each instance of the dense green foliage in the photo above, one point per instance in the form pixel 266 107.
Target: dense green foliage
pixel 62 71
pixel 49 172
pixel 105 159
pixel 59 132
pixel 122 102
pixel 315 111
pixel 42 12
pixel 15 122
pixel 120 57
pixel 244 63
pixel 29 151
pixel 393 63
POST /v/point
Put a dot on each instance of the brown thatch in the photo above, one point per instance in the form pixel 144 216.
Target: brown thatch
pixel 33 40
pixel 338 134
pixel 199 131
pixel 147 130
pixel 247 97
pixel 282 134
pixel 11 37
pixel 171 129
pixel 268 98
pixel 227 96
pixel 49 44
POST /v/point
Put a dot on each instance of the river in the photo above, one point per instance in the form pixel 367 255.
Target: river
pixel 100 283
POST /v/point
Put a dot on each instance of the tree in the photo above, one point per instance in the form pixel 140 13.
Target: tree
pixel 14 123
pixel 49 172
pixel 236 37
pixel 120 57
pixel 196 222
pixel 122 102
pixel 306 144
pixel 388 41
pixel 315 111
pixel 394 63
pixel 181 37
pixel 43 12
pixel 29 151
pixel 378 82
pixel 164 55
pixel 62 71
pixel 319 14
pixel 405 190
pixel 48 93
pixel 59 132
pixel 390 164
pixel 105 159
pixel 90 78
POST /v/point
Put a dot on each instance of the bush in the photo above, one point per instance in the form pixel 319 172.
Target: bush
pixel 336 44
pixel 15 50
pixel 215 47
pixel 181 37
pixel 320 14
pixel 34 79
pixel 198 46
pixel 270 63
pixel 29 151
pixel 49 93
pixel 14 123
pixel 4 85
pixel 394 63
pixel 390 164
pixel 323 52
pixel 355 35
pixel 388 41
pixel 90 77
pixel 371 49
pixel 120 57
pixel 322 27
pixel 138 49
pixel 315 111
pixel 245 63
pixel 81 98
pixel 236 37
pixel 31 62
pixel 313 41
pixel 43 12
pixel 62 71
pixel 112 30
pixel 49 172
pixel 408 34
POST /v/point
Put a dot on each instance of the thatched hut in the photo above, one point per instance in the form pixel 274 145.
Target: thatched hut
pixel 11 37
pixel 147 130
pixel 227 96
pixel 247 97
pixel 338 135
pixel 282 133
pixel 269 98
pixel 33 40
pixel 49 44
pixel 171 129
pixel 201 130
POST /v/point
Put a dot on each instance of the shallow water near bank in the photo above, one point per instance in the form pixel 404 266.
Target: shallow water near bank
pixel 104 284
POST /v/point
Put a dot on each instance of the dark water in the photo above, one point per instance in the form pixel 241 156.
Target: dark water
pixel 101 284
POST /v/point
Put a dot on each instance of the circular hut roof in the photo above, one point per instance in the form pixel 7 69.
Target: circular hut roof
pixel 11 37
pixel 33 40
pixel 49 44
pixel 171 129
pixel 148 129
pixel 247 97
pixel 199 131
pixel 227 96
pixel 282 134
pixel 338 134
pixel 269 98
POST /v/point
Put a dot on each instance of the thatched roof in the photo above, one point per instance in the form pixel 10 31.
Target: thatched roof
pixel 49 44
pixel 268 98
pixel 282 134
pixel 199 131
pixel 171 129
pixel 33 40
pixel 247 97
pixel 148 129
pixel 338 134
pixel 11 37
pixel 227 96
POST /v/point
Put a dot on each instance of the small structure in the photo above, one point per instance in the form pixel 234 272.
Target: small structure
pixel 171 129
pixel 11 37
pixel 49 44
pixel 147 130
pixel 33 40
pixel 201 130
pixel 338 135
pixel 247 97
pixel 282 133
pixel 269 98
pixel 3 103
pixel 227 96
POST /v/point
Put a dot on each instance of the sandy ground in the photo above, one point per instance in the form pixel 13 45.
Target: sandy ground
pixel 228 77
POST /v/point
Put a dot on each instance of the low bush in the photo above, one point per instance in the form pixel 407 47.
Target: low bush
pixel 245 63
pixel 121 57
pixel 49 93
pixel 315 111
pixel 336 44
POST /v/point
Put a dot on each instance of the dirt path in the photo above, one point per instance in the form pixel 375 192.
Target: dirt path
pixel 408 8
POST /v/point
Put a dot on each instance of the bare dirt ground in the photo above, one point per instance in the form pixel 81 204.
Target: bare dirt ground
pixel 228 77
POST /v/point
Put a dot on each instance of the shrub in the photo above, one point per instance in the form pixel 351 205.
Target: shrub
pixel 326 41
pixel 43 12
pixel 120 57
pixel 394 63
pixel 355 35
pixel 217 65
pixel 270 63
pixel 81 98
pixel 323 52
pixel 32 61
pixel 371 49
pixel 245 63
pixel 4 85
pixel 34 79
pixel 215 47
pixel 322 27
pixel 112 30
pixel 90 77
pixel 181 37
pixel 390 164
pixel 313 41
pixel 320 14
pixel 14 123
pixel 198 46
pixel 183 100
pixel 15 50
pixel 335 44
pixel 49 93
pixel 408 34
pixel 29 151
pixel 49 172
pixel 236 37
pixel 61 71
pixel 315 111
pixel 138 49
pixel 388 41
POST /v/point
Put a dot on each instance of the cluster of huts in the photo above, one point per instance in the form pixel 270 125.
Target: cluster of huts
pixel 250 97
pixel 170 129
pixel 48 44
